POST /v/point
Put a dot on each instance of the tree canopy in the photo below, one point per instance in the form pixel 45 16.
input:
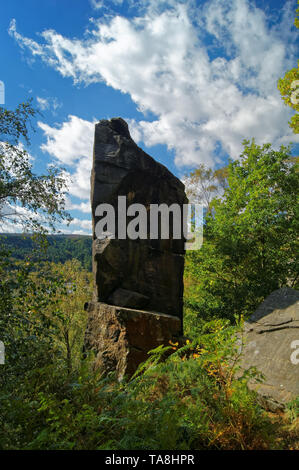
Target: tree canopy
pixel 289 87
pixel 251 234
pixel 203 184
pixel 34 201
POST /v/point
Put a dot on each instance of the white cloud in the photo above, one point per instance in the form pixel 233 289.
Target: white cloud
pixel 65 231
pixel 81 232
pixel 6 227
pixel 82 207
pixel 99 4
pixel 80 184
pixel 77 227
pixel 83 224
pixel 48 104
pixel 43 103
pixel 15 218
pixel 71 144
pixel 23 42
pixel 209 74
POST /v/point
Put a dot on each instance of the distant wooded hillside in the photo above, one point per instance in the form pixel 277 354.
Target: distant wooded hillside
pixel 60 248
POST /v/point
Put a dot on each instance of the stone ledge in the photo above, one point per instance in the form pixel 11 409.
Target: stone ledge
pixel 121 337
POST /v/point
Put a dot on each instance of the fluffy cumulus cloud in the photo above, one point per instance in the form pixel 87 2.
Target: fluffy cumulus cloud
pixel 207 73
pixel 71 145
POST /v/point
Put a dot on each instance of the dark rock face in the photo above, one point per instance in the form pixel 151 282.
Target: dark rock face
pixel 126 298
pixel 134 279
pixel 272 346
pixel 141 273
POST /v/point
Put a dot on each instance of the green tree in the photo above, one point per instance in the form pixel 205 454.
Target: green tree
pixel 37 202
pixel 34 201
pixel 68 313
pixel 204 184
pixel 289 87
pixel 25 328
pixel 251 236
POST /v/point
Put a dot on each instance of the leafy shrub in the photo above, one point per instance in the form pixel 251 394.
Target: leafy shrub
pixel 192 399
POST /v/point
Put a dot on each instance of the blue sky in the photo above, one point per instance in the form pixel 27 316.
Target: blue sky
pixel 192 78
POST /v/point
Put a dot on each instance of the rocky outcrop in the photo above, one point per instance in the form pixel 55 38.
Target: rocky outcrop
pixel 272 346
pixel 138 282
pixel 121 337
pixel 141 273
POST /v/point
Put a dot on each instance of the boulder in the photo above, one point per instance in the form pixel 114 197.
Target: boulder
pixel 152 268
pixel 272 345
pixel 121 337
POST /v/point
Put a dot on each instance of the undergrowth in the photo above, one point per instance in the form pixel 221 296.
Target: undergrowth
pixel 194 398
